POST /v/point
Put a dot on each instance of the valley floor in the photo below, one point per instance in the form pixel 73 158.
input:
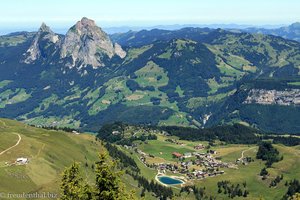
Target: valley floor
pixel 160 151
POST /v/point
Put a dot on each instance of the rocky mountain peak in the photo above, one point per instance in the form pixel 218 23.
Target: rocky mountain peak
pixel 44 28
pixel 86 22
pixel 42 40
pixel 87 44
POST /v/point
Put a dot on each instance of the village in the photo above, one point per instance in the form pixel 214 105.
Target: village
pixel 192 165
pixel 178 160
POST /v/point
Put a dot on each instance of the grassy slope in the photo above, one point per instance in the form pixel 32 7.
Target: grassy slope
pixel 49 153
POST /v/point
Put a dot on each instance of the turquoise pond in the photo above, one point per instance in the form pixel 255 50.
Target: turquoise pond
pixel 169 181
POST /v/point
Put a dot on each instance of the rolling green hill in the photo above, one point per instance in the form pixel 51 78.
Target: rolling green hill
pixel 48 151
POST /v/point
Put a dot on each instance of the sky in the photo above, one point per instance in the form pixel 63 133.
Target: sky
pixel 29 14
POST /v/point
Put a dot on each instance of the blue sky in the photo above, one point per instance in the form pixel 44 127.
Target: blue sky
pixel 109 13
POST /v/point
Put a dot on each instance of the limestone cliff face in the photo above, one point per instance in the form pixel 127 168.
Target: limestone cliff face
pixel 86 44
pixel 269 97
pixel 43 40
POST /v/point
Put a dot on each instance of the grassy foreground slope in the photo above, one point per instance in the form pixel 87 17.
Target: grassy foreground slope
pixel 48 151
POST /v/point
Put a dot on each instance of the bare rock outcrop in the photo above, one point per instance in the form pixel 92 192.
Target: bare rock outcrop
pixel 43 39
pixel 86 44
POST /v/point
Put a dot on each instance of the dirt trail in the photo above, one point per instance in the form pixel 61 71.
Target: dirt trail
pixel 20 138
pixel 245 151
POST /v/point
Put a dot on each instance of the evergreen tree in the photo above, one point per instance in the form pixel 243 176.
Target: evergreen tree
pixel 264 172
pixel 73 186
pixel 219 190
pixel 108 183
pixel 245 193
pixel 143 192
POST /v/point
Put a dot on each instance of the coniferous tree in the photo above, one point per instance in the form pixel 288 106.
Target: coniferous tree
pixel 73 186
pixel 108 183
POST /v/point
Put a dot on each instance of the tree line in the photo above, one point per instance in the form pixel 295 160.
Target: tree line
pixel 125 161
pixel 56 128
pixel 287 141
pixel 234 134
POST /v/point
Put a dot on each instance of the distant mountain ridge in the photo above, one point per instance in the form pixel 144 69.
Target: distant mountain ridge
pixel 288 32
pixel 189 77
pixel 291 32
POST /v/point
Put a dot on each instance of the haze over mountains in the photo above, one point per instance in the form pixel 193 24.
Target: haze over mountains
pixel 191 76
pixel 61 29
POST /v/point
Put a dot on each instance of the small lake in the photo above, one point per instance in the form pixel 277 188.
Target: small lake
pixel 169 181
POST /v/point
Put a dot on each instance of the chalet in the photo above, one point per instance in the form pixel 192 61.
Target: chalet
pixel 186 164
pixel 75 132
pixel 177 155
pixel 187 155
pixel 22 161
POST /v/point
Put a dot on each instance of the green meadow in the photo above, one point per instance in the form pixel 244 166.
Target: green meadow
pixel 48 151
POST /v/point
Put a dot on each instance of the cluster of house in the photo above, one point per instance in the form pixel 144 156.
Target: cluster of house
pixel 199 147
pixel 201 174
pixel 267 97
pixel 203 159
pixel 211 165
pixel 206 160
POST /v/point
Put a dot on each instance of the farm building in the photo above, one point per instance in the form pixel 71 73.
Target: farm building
pixel 22 161
pixel 177 155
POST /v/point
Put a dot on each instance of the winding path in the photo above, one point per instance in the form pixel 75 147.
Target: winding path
pixel 20 138
pixel 245 151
